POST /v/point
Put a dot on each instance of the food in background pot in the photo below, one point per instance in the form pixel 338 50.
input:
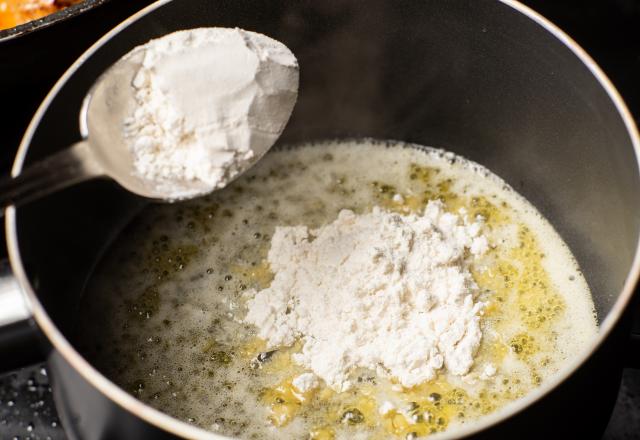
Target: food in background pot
pixel 338 290
pixel 16 12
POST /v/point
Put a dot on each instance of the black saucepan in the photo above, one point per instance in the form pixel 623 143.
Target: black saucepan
pixel 488 79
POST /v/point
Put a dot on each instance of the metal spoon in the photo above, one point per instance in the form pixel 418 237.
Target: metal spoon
pixel 102 152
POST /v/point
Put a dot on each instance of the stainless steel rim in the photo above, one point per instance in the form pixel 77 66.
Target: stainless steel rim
pixel 182 429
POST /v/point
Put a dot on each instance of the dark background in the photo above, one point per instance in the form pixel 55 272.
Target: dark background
pixel 609 30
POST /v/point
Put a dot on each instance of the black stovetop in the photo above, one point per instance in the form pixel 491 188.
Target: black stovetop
pixel 608 29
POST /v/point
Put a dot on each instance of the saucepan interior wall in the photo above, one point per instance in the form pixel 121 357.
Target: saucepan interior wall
pixel 477 78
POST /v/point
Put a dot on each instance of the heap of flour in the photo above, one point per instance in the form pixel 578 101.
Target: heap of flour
pixel 380 290
pixel 208 102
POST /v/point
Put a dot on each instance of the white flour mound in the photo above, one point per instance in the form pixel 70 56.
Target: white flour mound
pixel 381 290
pixel 207 102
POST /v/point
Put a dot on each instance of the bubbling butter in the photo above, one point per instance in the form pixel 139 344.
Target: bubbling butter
pixel 162 316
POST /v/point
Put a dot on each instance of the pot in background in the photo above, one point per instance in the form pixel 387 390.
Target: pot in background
pixel 489 80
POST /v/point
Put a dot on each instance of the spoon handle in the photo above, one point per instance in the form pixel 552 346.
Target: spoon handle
pixel 62 169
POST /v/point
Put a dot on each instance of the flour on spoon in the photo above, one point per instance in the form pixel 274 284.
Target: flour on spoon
pixel 208 101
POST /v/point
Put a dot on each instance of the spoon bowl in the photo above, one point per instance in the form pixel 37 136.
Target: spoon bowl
pixel 106 105
pixel 104 150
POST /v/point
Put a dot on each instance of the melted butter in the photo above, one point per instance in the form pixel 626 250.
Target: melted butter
pixel 258 275
pixel 520 292
pixel 183 271
pixel 323 433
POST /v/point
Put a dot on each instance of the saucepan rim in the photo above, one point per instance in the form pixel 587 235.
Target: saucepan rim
pixel 182 429
pixel 49 20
